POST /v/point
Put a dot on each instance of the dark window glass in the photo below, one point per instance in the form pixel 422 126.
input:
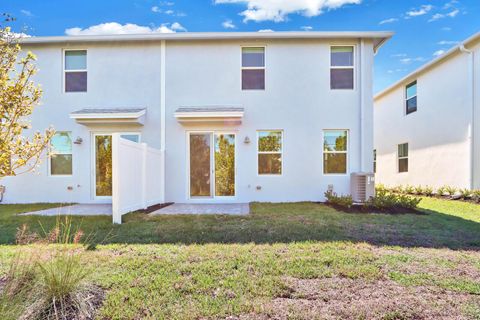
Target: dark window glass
pixel 61 164
pixel 253 79
pixel 76 81
pixel 403 150
pixel 403 165
pixel 269 163
pixel 341 78
pixel 253 57
pixel 335 163
pixel 374 161
pixel 412 105
pixel 341 56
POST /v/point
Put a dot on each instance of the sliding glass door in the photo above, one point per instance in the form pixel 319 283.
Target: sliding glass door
pixel 211 165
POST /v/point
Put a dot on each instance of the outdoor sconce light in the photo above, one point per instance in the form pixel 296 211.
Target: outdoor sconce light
pixel 78 141
pixel 247 140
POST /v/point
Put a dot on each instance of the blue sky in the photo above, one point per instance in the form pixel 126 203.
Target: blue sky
pixel 423 28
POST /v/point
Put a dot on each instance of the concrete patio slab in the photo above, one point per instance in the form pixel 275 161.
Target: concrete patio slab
pixel 76 210
pixel 188 208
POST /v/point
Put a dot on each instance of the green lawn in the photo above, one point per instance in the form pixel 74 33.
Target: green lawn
pixel 284 261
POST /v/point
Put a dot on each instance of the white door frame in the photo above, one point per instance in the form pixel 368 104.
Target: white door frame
pixel 93 184
pixel 213 197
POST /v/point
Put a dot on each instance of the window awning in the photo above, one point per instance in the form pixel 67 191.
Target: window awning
pixel 225 115
pixel 110 116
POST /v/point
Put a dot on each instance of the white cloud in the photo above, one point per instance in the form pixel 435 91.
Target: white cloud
pixel 169 12
pixel 128 28
pixel 391 20
pixel 26 13
pixel 446 29
pixel 450 4
pixel 410 60
pixel 228 24
pixel 438 53
pixel 447 43
pixel 266 30
pixel 278 10
pixel 424 9
pixel 439 16
pixel 399 55
pixel 306 28
pixel 156 9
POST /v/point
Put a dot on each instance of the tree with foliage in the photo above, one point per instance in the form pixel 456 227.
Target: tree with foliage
pixel 18 98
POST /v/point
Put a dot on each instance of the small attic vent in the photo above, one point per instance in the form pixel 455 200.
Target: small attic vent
pixel 362 186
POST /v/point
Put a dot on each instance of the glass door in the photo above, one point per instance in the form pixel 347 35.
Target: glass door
pixel 200 165
pixel 103 165
pixel 211 165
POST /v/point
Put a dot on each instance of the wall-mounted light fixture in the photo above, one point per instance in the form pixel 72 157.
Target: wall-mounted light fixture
pixel 78 141
pixel 247 140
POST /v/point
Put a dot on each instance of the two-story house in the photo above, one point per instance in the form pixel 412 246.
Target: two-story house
pixel 241 117
pixel 427 125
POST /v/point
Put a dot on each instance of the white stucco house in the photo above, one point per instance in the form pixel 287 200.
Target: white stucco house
pixel 238 117
pixel 427 125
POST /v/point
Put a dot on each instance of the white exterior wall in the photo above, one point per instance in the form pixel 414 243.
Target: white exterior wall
pixel 297 100
pixel 120 75
pixel 438 132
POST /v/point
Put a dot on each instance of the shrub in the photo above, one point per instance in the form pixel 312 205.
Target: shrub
pixel 476 195
pixel 442 191
pixel 409 190
pixel 397 189
pixel 451 190
pixel 418 190
pixel 341 201
pixel 465 193
pixel 390 201
pixel 428 191
pixel 380 187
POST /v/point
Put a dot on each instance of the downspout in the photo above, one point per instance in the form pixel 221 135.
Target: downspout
pixel 362 107
pixel 471 137
pixel 163 129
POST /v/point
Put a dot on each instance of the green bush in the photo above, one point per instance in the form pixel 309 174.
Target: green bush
pixel 428 191
pixel 418 190
pixel 476 195
pixel 409 190
pixel 465 193
pixel 451 190
pixel 397 189
pixel 341 201
pixel 442 191
pixel 390 201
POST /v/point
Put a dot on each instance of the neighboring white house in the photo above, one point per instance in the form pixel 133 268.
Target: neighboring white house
pixel 240 116
pixel 427 125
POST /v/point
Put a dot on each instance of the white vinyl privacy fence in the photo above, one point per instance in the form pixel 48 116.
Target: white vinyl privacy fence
pixel 136 177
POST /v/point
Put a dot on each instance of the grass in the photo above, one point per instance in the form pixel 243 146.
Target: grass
pixel 293 261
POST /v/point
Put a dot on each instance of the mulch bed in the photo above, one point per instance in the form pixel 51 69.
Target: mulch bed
pixel 357 208
pixel 156 207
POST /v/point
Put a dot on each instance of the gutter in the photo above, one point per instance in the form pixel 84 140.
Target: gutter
pixel 471 94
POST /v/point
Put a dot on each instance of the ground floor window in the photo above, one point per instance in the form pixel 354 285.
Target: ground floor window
pixel 270 149
pixel 61 155
pixel 403 157
pixel 335 151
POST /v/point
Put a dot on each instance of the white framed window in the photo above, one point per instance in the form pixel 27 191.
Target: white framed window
pixel 335 151
pixel 342 67
pixel 253 68
pixel 61 154
pixel 75 70
pixel 402 157
pixel 411 97
pixel 270 152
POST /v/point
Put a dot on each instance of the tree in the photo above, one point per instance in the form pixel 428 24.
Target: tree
pixel 18 98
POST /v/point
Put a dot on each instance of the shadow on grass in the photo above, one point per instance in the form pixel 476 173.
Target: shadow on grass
pixel 276 223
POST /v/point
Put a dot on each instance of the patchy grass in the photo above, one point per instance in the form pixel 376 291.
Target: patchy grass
pixel 284 261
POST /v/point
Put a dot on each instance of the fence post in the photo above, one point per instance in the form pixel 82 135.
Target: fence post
pixel 144 175
pixel 116 214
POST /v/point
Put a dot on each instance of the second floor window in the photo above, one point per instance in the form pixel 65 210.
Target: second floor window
pixel 253 68
pixel 341 68
pixel 374 161
pixel 61 154
pixel 411 97
pixel 75 71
